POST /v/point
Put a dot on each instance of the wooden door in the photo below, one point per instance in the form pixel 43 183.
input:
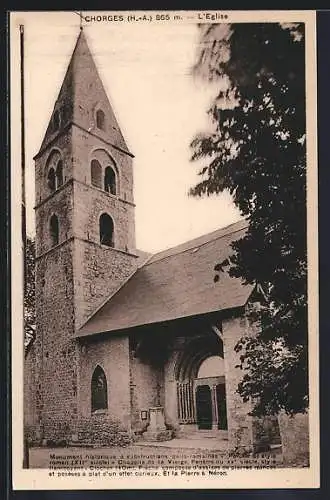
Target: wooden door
pixel 222 407
pixel 204 407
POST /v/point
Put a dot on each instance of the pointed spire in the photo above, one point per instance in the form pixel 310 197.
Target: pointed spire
pixel 81 95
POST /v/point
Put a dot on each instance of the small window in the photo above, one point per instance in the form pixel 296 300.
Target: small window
pixel 100 119
pixel 65 114
pixel 106 230
pixel 109 181
pixel 56 120
pixel 59 174
pixel 51 179
pixel 96 174
pixel 54 230
pixel 99 390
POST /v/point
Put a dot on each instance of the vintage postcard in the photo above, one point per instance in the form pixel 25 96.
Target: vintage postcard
pixel 164 250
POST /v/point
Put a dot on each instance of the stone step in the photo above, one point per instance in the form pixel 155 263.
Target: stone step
pixel 204 434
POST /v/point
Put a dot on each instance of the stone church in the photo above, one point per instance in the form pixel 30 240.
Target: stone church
pixel 122 334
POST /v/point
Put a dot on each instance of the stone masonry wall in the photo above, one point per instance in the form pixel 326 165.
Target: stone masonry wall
pixel 175 349
pixel 112 354
pixel 90 203
pixel 99 271
pixel 29 374
pixel 295 438
pixel 240 432
pixel 57 361
pixel 147 387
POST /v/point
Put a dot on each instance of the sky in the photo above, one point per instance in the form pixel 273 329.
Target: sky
pixel 160 107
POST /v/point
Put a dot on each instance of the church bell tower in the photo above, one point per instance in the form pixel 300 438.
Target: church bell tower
pixel 85 229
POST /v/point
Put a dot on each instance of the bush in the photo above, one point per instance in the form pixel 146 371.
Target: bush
pixel 102 432
pixel 57 443
pixel 31 435
pixel 60 432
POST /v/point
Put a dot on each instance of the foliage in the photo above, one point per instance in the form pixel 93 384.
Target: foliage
pixel 256 150
pixel 29 293
pixel 32 435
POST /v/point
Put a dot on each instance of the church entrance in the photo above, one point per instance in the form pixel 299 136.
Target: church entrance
pixel 211 408
pixel 211 415
pixel 201 387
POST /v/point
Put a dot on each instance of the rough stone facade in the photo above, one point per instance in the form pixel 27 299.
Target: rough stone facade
pixel 146 384
pixel 112 355
pixel 239 422
pixel 55 349
pixel 295 438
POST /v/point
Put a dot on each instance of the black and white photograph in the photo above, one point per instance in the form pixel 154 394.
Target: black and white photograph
pixel 164 250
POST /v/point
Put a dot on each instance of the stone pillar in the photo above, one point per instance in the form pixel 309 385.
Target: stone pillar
pixel 295 438
pixel 240 432
pixel 215 416
pixel 171 402
pixel 157 430
pixel 170 386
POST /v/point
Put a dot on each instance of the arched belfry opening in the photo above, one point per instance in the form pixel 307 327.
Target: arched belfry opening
pixel 96 174
pixel 54 230
pixel 51 179
pixel 99 390
pixel 59 174
pixel 54 169
pixel 201 389
pixel 110 181
pixel 104 172
pixel 106 230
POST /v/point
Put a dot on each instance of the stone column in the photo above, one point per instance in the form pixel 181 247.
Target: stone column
pixel 171 391
pixel 240 432
pixel 215 416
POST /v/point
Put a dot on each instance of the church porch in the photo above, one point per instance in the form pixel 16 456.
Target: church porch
pixel 178 371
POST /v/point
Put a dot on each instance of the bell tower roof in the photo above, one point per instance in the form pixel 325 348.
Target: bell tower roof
pixel 82 100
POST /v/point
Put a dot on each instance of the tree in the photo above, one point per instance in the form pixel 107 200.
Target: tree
pixel 29 294
pixel 256 150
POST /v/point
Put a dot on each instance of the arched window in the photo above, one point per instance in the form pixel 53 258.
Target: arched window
pixel 109 181
pixel 96 174
pixel 99 391
pixel 100 119
pixel 54 230
pixel 59 174
pixel 106 230
pixel 56 120
pixel 51 179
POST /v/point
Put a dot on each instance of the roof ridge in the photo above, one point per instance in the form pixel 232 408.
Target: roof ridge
pixel 147 263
